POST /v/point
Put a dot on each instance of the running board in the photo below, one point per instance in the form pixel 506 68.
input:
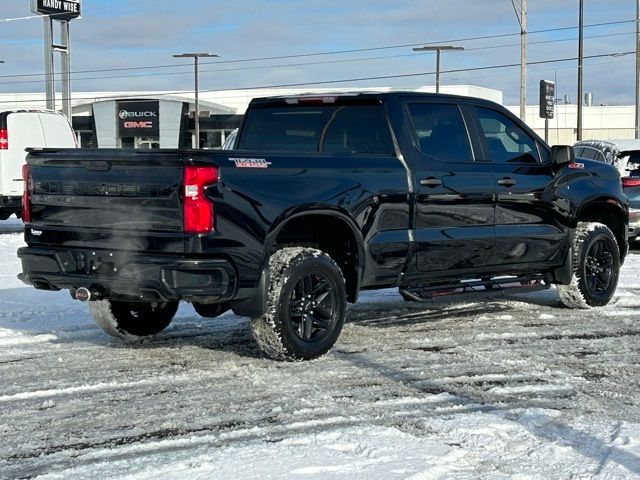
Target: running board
pixel 499 286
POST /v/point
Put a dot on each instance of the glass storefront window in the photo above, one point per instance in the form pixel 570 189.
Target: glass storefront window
pixel 211 139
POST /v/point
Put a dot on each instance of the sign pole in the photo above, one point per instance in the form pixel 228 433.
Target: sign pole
pixel 65 53
pixel 49 85
pixel 546 131
pixel 61 11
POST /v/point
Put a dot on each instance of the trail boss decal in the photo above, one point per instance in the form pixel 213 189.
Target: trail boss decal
pixel 250 162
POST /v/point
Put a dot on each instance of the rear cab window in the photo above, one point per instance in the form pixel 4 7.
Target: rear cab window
pixel 331 129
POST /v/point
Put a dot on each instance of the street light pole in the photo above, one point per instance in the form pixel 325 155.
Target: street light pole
pixel 196 56
pixel 438 71
pixel 638 69
pixel 438 49
pixel 580 58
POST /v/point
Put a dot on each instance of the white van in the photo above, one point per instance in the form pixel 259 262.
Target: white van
pixel 26 128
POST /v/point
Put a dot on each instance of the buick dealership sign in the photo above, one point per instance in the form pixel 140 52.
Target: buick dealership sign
pixel 139 119
pixel 58 9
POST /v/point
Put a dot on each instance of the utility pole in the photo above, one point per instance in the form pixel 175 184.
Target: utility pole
pixel 580 58
pixel 521 15
pixel 438 49
pixel 638 69
pixel 196 56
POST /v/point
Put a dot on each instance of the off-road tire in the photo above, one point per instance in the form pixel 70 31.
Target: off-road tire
pixel 132 321
pixel 581 293
pixel 278 332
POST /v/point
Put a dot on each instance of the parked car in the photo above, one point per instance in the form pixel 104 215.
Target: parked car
pixel 20 129
pixel 625 156
pixel 324 196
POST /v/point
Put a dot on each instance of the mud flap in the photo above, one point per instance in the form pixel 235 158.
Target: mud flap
pixel 563 274
pixel 255 306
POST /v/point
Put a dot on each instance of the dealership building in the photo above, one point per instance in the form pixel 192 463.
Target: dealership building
pixel 166 119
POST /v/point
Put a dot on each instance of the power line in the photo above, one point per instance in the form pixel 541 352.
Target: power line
pixel 334 52
pixel 324 62
pixel 333 82
pixel 15 19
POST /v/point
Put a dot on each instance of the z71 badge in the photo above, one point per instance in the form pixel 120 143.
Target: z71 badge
pixel 250 162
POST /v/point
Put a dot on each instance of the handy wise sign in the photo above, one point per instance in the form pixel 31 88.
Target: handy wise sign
pixel 58 9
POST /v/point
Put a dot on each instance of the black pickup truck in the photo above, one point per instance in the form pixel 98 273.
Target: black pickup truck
pixel 322 197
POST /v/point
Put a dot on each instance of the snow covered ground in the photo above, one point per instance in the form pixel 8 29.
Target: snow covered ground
pixel 497 389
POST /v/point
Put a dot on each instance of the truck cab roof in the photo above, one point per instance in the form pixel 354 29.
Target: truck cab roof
pixel 360 97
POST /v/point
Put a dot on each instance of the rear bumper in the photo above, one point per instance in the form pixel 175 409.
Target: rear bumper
pixel 10 204
pixel 116 274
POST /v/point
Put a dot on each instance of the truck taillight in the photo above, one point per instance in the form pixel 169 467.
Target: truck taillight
pixel 630 182
pixel 197 208
pixel 26 201
pixel 4 139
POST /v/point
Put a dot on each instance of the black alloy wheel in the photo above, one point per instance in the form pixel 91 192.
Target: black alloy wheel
pixel 599 267
pixel 595 257
pixel 306 305
pixel 313 307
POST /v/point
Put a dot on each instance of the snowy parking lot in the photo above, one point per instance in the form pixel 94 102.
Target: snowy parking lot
pixel 517 388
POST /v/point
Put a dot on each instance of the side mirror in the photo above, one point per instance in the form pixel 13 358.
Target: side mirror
pixel 562 155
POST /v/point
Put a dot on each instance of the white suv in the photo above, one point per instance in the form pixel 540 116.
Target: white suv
pixel 21 129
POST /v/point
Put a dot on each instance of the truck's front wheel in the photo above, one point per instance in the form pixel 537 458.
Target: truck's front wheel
pixel 306 305
pixel 132 320
pixel 596 267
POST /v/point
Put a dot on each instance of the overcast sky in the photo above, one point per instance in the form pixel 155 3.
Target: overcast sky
pixel 122 34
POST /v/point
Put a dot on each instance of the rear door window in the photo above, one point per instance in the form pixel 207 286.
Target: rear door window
pixel 440 131
pixel 336 129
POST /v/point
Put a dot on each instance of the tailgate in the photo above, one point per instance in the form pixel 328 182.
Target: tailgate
pixel 107 198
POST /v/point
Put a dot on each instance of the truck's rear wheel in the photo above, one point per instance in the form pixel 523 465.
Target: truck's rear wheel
pixel 596 267
pixel 132 320
pixel 306 305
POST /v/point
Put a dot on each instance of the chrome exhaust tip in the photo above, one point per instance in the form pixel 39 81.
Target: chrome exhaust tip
pixel 83 294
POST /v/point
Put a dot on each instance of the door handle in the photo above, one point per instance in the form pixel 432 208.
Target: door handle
pixel 506 182
pixel 431 182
